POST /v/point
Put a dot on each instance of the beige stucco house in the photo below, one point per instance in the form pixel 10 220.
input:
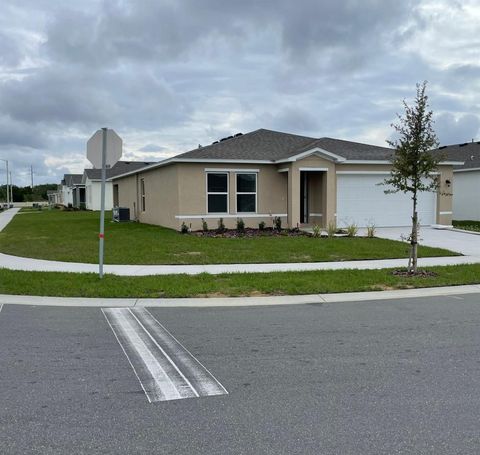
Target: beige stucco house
pixel 265 174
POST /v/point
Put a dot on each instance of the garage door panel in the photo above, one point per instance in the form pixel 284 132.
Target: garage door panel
pixel 361 200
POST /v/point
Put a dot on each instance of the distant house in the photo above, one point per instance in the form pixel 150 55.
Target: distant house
pixel 71 191
pixel 266 174
pixel 466 180
pixel 92 179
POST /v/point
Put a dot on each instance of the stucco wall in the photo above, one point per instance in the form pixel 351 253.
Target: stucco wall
pixel 466 197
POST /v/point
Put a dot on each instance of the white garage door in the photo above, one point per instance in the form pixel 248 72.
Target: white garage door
pixel 362 201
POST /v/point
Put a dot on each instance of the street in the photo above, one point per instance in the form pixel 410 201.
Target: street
pixel 393 376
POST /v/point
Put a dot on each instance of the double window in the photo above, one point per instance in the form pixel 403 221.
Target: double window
pixel 218 191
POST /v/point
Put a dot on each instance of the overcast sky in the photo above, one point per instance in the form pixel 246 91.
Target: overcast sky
pixel 168 75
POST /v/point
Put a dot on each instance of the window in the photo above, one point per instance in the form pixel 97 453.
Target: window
pixel 217 192
pixel 142 193
pixel 246 193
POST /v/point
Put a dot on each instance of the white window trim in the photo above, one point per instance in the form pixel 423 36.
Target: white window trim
pixel 143 198
pixel 208 193
pixel 248 192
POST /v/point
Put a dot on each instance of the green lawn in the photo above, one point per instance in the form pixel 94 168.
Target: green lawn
pixel 280 283
pixel 73 236
pixel 467 225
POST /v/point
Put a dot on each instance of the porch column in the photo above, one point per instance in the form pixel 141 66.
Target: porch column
pixel 293 197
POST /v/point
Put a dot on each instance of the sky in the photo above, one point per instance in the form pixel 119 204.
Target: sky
pixel 169 75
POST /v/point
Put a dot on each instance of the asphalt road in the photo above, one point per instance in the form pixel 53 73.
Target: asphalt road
pixel 381 377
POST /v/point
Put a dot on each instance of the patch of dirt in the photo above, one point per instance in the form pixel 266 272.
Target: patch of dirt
pixel 419 274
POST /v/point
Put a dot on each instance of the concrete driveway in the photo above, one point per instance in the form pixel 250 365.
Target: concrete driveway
pixel 460 242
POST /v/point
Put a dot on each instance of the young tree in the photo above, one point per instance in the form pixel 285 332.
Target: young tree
pixel 413 165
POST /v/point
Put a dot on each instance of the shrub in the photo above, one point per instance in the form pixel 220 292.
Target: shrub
pixel 204 225
pixel 277 223
pixel 331 229
pixel 371 229
pixel 82 206
pixel 184 228
pixel 240 225
pixel 316 230
pixel 261 225
pixel 221 226
pixel 352 230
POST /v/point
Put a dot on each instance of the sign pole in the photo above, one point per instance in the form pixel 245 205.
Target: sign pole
pixel 102 204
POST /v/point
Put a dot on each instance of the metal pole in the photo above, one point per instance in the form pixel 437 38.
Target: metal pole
pixel 8 191
pixel 11 188
pixel 102 204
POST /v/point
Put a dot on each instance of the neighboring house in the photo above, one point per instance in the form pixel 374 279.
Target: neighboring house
pixel 92 181
pixel 72 191
pixel 266 174
pixel 54 196
pixel 466 180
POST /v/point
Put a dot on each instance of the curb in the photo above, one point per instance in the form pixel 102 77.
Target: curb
pixel 238 301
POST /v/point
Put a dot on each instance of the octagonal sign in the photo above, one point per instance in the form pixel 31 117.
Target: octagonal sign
pixel 113 152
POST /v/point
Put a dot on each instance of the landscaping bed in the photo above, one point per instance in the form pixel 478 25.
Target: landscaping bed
pixel 467 225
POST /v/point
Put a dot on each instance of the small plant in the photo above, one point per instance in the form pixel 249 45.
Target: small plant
pixel 82 206
pixel 261 225
pixel 277 223
pixel 221 226
pixel 371 230
pixel 331 229
pixel 204 225
pixel 352 230
pixel 184 228
pixel 316 230
pixel 240 225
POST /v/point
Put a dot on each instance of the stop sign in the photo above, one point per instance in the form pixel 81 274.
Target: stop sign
pixel 113 151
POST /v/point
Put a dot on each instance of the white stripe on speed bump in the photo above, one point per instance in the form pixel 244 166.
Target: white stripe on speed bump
pixel 166 369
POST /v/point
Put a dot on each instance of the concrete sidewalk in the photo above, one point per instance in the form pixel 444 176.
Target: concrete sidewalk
pixel 208 302
pixel 40 265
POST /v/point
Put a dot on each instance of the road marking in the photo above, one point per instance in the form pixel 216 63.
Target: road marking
pixel 165 369
pixel 1 306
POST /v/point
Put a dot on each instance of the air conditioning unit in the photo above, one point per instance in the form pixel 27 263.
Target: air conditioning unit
pixel 121 214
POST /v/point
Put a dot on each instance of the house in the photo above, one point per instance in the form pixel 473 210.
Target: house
pixel 71 192
pixel 265 174
pixel 92 181
pixel 466 180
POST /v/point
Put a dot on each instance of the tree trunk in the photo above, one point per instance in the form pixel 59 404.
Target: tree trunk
pixel 414 238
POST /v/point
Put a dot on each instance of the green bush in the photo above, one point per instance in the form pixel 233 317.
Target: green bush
pixel 184 228
pixel 316 230
pixel 221 226
pixel 240 225
pixel 261 225
pixel 204 225
pixel 277 223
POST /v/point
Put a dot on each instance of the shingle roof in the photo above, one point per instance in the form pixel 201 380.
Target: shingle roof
pixel 121 167
pixel 469 152
pixel 256 145
pixel 274 146
pixel 72 179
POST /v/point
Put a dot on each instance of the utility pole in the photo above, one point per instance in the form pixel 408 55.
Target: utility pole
pixel 11 188
pixel 31 175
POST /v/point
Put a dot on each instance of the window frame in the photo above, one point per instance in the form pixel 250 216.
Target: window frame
pixel 246 192
pixel 142 194
pixel 208 193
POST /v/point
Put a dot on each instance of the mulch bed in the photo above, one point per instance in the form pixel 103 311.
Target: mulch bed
pixel 419 274
pixel 249 232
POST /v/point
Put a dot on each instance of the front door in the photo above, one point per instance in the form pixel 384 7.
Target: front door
pixel 303 197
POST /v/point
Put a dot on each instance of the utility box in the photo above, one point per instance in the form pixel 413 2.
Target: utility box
pixel 121 214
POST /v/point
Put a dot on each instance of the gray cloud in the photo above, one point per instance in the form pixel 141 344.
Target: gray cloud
pixel 168 75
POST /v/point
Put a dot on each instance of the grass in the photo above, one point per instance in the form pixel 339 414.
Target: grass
pixel 73 237
pixel 467 225
pixel 241 284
